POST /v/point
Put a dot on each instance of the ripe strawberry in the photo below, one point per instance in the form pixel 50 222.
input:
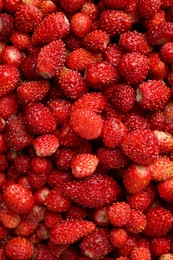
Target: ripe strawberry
pixel 18 199
pixel 9 219
pixel 48 7
pixel 7 26
pixel 72 83
pixel 148 8
pixel 141 146
pixel 96 40
pixel 10 55
pixel 39 119
pixel 160 34
pixel 93 192
pixel 80 24
pixel 8 105
pixel 97 244
pixel 63 157
pixel 121 96
pixel 33 91
pixel 134 42
pixel 80 58
pixel 131 9
pixel 166 52
pixel 11 6
pixel 37 181
pixel 9 79
pixel 160 246
pixel 91 10
pixel 45 145
pixel 158 68
pixel 100 74
pixel 71 6
pixel 113 54
pixel 119 213
pixel 116 4
pixel 33 17
pixel 21 163
pixel 140 252
pixel 76 212
pixel 40 196
pixel 161 168
pixel 51 58
pixel 118 237
pixel 25 228
pixel 40 165
pixel 128 247
pixel 69 231
pixel 165 141
pixel 114 22
pixel 134 67
pixel 28 67
pixel 52 27
pixel 168 256
pixel 134 121
pixel 153 95
pixel 165 190
pixel 137 222
pixel 52 218
pixel 155 20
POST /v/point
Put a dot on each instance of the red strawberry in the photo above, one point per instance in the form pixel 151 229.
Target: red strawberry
pixel 40 165
pixel 131 9
pixel 37 181
pixel 141 146
pixel 50 59
pixel 114 22
pixel 134 67
pixel 165 141
pixel 93 192
pixel 27 17
pixel 11 6
pixel 45 145
pixel 116 4
pixel 140 252
pixel 159 222
pixel 80 24
pixel 119 213
pixel 160 246
pixel 9 78
pixel 96 244
pixel 158 68
pixel 118 237
pixel 165 190
pixel 166 52
pixel 128 247
pixel 91 10
pixel 33 91
pixel 160 34
pixel 20 40
pixel 134 42
pixel 137 222
pixel 19 248
pixel 21 163
pixel 80 58
pixel 25 228
pixel 63 157
pixel 134 121
pixel 76 212
pixel 148 8
pixel 72 83
pixel 96 40
pixel 100 74
pixel 8 105
pixel 69 231
pixel 11 56
pixel 71 6
pixel 52 27
pixel 73 42
pixel 39 119
pixel 7 26
pixel 161 168
pixel 113 55
pixel 9 219
pixel 56 250
pixel 28 67
pixel 84 165
pixel 52 218
pixel 48 7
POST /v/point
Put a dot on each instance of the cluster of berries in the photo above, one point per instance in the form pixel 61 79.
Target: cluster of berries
pixel 86 129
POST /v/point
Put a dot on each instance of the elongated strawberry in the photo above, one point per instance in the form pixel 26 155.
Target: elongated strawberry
pixel 93 192
pixel 9 78
pixel 52 27
pixel 69 231
pixel 50 59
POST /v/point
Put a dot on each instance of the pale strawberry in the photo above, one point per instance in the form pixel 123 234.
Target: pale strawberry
pixel 45 145
pixel 140 252
pixel 161 168
pixel 9 79
pixel 168 256
pixel 165 141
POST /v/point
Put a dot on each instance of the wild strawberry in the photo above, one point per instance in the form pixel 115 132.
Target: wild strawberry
pixel 137 222
pixel 50 59
pixel 134 121
pixel 118 237
pixel 84 165
pixel 96 41
pixel 168 256
pixel 63 157
pixel 73 42
pixel 7 26
pixel 96 244
pixel 166 52
pixel 11 56
pixel 37 181
pixel 165 190
pixel 131 9
pixel 52 27
pixel 141 146
pixel 11 6
pixel 116 4
pixel 134 42
pixel 40 195
pixel 119 213
pixel 9 79
pixel 114 22
pixel 9 219
pixel 69 231
pixel 134 67
pixel 21 163
pixel 113 54
pixel 158 68
pixel 28 67
pixel 160 246
pixel 48 7
pixel 80 58
pixel 161 168
pixel 93 192
pixel 99 74
pixel 20 40
pixel 3 162
pixel 155 20
pixel 72 83
pixel 19 248
pixel 40 165
pixel 128 247
pixel 139 252
pixel 76 212
pixel 91 10
pixel 121 96
pixel 39 119
pixel 52 218
pixel 148 8
pixel 112 158
pixel 45 145
pixel 160 34
pixel 71 6
pixel 25 228
pixel 165 141
pixel 18 199
pixel 152 94
pixel 81 24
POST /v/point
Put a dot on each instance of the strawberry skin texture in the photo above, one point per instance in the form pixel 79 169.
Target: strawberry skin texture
pixel 9 79
pixel 51 58
pixel 45 145
pixel 69 231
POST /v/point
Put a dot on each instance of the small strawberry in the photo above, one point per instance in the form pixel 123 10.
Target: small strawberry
pixel 114 22
pixel 28 67
pixel 72 83
pixel 160 246
pixel 141 146
pixel 18 199
pixel 131 9
pixel 97 244
pixel 161 168
pixel 100 74
pixel 119 213
pixel 137 222
pixel 134 67
pixel 80 58
pixel 52 218
pixel 118 237
pixel 116 4
pixel 11 56
pixel 11 6
pixel 40 165
pixel 159 222
pixel 52 27
pixel 7 26
pixel 140 252
pixel 25 228
pixel 158 68
pixel 37 181
pixel 33 17
pixel 165 141
pixel 166 52
pixel 21 163
pixel 71 6
pixel 63 157
pixel 48 7
pixel 51 58
pixel 76 212
pixel 9 219
pixel 69 231
pixel 45 145
pixel 165 190
pixel 56 250
pixel 113 54
pixel 128 247
pixel 148 8
pixel 20 40
pixel 160 34
pixel 80 24
pixel 134 121
pixel 96 41
pixel 91 10
pixel 39 119
pixel 93 192
pixel 9 79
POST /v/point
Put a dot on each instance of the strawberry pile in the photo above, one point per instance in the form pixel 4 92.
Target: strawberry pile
pixel 86 129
